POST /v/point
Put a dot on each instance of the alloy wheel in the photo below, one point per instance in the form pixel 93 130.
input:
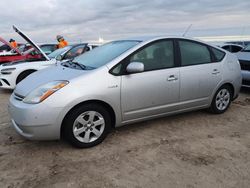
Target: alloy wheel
pixel 88 126
pixel 222 99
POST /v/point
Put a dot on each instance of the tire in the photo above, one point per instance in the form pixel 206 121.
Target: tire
pixel 222 100
pixel 87 125
pixel 23 75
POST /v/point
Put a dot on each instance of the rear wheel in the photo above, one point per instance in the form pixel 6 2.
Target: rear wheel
pixel 87 125
pixel 23 75
pixel 221 100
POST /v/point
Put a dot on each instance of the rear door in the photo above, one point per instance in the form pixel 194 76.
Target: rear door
pixel 199 74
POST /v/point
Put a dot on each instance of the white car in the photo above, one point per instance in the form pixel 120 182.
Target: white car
pixel 13 73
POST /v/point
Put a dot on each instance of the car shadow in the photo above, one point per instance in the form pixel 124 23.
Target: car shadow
pixel 5 91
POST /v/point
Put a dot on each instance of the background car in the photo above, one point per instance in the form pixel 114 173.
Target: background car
pixel 233 48
pixel 242 43
pixel 48 48
pixel 123 82
pixel 16 55
pixel 4 48
pixel 244 59
pixel 13 73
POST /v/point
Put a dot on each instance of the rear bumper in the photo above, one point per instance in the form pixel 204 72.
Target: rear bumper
pixel 6 83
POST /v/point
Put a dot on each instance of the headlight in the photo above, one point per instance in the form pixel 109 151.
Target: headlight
pixel 7 71
pixel 43 92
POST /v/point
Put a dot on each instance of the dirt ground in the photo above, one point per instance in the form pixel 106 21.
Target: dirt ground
pixel 195 149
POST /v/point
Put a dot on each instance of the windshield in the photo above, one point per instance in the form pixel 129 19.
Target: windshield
pixel 105 53
pixel 58 52
pixel 247 48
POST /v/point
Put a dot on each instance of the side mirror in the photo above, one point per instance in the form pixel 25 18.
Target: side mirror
pixel 135 67
pixel 59 58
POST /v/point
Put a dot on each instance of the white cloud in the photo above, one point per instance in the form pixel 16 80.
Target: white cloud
pixel 111 19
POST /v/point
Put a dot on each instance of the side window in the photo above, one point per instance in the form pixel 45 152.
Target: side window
pixel 236 49
pixel 227 48
pixel 219 55
pixel 47 49
pixel 158 55
pixel 74 52
pixel 193 53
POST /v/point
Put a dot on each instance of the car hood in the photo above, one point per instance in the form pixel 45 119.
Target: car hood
pixel 45 76
pixel 34 45
pixel 243 56
pixel 15 49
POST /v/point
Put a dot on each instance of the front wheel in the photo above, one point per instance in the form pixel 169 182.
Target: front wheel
pixel 221 100
pixel 87 125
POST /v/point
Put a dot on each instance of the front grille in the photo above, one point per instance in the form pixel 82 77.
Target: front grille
pixel 245 65
pixel 246 82
pixel 18 97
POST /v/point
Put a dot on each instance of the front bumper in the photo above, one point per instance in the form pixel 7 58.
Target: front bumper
pixel 35 121
pixel 245 78
pixel 5 84
pixel 7 81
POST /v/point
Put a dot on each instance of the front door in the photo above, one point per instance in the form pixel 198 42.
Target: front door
pixel 154 91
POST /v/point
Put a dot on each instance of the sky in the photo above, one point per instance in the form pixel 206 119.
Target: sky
pixel 87 20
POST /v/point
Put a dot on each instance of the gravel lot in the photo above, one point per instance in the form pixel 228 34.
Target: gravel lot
pixel 194 149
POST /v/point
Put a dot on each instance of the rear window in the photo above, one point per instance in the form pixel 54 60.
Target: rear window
pixel 218 54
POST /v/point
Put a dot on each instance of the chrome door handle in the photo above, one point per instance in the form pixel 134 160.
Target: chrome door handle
pixel 172 78
pixel 215 71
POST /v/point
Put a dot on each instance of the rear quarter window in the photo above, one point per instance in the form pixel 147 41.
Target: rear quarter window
pixel 218 54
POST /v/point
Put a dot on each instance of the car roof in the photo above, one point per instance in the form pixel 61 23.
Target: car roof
pixel 152 38
pixel 230 44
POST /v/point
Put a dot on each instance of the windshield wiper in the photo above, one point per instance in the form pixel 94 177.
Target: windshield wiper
pixel 83 67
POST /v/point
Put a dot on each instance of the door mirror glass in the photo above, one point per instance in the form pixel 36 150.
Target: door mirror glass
pixel 135 67
pixel 59 58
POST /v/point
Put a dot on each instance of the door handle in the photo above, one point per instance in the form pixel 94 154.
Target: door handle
pixel 172 78
pixel 215 71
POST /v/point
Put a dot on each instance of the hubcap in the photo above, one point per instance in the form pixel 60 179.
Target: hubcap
pixel 222 99
pixel 88 126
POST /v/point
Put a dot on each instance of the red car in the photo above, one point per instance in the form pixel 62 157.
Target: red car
pixel 15 54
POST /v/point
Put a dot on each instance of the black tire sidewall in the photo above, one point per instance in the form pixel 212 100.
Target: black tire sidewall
pixel 71 117
pixel 213 107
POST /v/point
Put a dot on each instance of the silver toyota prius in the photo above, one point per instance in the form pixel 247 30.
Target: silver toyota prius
pixel 123 82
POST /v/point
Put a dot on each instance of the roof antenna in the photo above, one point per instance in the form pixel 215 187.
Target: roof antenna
pixel 242 35
pixel 187 30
